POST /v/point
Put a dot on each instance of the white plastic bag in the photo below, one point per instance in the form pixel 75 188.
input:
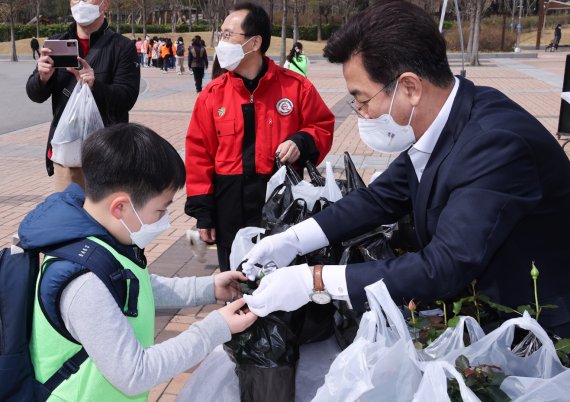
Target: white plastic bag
pixel 213 381
pixel 79 119
pixel 306 190
pixel 433 387
pixel 244 241
pixel 524 389
pixel 495 349
pixel 379 362
pixel 452 339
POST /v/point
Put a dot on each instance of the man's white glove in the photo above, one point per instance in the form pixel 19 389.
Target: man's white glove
pixel 286 289
pixel 279 250
pixel 272 251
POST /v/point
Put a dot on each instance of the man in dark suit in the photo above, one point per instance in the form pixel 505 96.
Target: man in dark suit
pixel 488 185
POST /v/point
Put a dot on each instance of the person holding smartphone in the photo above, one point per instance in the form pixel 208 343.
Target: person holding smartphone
pixel 108 63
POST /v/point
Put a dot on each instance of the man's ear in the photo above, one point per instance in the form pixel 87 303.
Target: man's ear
pixel 411 85
pixel 257 41
pixel 119 204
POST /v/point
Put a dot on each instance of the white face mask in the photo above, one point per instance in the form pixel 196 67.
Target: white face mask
pixel 85 13
pixel 230 54
pixel 147 232
pixel 384 135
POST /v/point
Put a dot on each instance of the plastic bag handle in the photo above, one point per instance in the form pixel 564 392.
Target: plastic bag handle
pixel 434 384
pixel 382 304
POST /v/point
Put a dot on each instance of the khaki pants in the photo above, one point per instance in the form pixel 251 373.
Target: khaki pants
pixel 64 176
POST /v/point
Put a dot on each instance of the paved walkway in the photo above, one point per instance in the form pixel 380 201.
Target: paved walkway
pixel 166 105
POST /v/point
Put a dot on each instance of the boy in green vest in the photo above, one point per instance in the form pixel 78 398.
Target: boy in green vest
pixel 131 177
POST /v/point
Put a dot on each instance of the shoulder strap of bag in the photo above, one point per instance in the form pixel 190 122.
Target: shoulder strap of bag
pixel 70 367
pixel 296 65
pixel 102 263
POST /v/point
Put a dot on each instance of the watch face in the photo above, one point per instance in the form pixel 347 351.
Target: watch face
pixel 321 297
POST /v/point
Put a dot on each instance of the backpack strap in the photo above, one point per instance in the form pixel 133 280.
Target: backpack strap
pixel 121 283
pixel 70 367
pixel 91 257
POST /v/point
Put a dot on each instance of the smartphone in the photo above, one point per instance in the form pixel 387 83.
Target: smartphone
pixel 63 52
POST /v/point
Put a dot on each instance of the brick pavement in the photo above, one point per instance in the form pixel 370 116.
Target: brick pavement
pixel 166 106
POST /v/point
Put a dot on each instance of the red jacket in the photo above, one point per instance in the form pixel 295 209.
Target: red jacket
pixel 228 164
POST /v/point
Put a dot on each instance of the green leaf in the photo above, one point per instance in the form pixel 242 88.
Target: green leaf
pixel 453 322
pixel 499 307
pixel 563 345
pixel 461 363
pixel 526 307
pixel 457 307
pixel 548 306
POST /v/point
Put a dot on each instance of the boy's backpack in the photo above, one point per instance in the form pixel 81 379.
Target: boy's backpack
pixel 18 274
pixel 180 49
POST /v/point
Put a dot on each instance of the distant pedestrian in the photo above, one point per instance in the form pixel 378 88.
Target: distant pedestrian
pixel 557 36
pixel 197 61
pixel 296 60
pixel 35 45
pixel 180 55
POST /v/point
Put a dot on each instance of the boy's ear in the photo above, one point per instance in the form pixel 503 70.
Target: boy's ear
pixel 119 204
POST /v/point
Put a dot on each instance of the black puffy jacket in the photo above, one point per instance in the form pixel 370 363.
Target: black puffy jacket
pixel 114 60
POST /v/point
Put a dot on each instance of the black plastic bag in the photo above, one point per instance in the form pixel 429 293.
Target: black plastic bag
pixel 295 213
pixel 292 176
pixel 353 179
pixel 258 384
pixel 316 177
pixel 279 200
pixel 266 356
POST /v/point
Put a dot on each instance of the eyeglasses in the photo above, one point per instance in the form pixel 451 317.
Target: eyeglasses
pixel 358 106
pixel 228 34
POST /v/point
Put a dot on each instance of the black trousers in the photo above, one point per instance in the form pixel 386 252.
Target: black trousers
pixel 198 77
pixel 224 257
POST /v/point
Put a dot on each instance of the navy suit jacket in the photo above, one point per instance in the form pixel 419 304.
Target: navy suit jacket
pixel 494 196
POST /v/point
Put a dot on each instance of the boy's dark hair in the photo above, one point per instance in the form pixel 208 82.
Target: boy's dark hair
pixel 393 37
pixel 132 158
pixel 256 23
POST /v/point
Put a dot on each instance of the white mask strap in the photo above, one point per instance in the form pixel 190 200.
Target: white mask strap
pixel 393 97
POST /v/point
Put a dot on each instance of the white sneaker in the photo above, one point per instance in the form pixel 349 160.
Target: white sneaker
pixel 197 245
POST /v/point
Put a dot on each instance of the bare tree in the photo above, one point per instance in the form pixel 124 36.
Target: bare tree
pixel 295 21
pixel 38 18
pixel 283 34
pixel 11 11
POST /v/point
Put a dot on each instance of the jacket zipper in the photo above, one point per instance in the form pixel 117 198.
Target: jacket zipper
pixel 251 98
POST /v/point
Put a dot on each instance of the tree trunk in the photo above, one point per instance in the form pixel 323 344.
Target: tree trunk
pixel 474 55
pixel 118 18
pixel 144 17
pixel 295 21
pixel 12 33
pixel 319 23
pixel 283 34
pixel 540 23
pixel 37 18
pixel 271 12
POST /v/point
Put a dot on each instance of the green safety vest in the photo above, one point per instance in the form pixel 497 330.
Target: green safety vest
pixel 49 350
pixel 299 64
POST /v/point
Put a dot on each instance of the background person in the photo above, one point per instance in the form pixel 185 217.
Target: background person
pixel 179 46
pixel 109 65
pixel 487 184
pixel 240 120
pixel 296 60
pixel 197 61
pixel 35 45
pixel 557 36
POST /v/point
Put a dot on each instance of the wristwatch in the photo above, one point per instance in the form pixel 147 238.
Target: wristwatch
pixel 319 295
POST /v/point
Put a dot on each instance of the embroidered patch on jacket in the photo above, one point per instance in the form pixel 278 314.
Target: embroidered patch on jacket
pixel 221 111
pixel 284 106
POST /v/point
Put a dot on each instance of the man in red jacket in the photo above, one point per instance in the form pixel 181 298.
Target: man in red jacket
pixel 241 120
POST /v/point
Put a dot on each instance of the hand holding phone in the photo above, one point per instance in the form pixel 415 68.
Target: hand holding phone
pixel 64 52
